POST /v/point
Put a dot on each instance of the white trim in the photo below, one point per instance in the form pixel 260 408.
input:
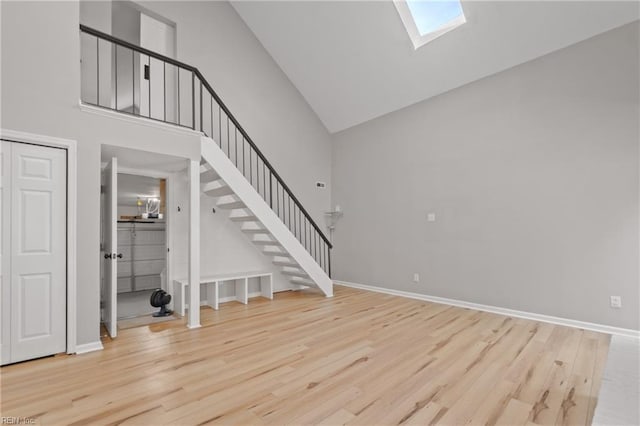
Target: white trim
pixel 417 39
pixel 498 310
pixel 168 225
pixel 194 243
pixel 89 347
pixel 136 119
pixel 156 174
pixel 72 183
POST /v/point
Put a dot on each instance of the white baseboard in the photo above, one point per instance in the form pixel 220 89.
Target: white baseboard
pixel 89 347
pixel 498 310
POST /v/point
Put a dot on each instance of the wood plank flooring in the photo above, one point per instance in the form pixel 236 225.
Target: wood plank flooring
pixel 359 358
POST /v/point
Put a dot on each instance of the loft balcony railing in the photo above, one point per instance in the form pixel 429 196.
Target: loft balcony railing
pixel 129 79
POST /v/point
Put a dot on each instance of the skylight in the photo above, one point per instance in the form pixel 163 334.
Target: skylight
pixel 426 20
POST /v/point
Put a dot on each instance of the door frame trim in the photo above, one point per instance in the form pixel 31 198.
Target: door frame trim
pixel 72 190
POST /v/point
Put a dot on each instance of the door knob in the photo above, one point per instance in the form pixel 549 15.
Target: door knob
pixel 119 256
pixel 107 255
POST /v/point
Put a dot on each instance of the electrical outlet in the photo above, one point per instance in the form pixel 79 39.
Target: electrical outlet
pixel 416 277
pixel 616 302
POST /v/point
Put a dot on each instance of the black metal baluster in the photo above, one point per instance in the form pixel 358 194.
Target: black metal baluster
pixel 228 138
pixel 201 126
pixel 149 61
pixel 270 189
pixel 179 122
pixel 97 71
pixel 193 101
pixel 295 222
pixel 116 72
pixel 289 211
pixel 220 126
pixel 133 81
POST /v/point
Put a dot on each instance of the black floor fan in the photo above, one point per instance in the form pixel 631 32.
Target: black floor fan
pixel 160 299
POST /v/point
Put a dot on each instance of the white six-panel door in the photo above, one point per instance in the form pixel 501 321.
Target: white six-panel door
pixel 34 276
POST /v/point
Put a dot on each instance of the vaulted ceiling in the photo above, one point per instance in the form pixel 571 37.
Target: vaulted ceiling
pixel 353 60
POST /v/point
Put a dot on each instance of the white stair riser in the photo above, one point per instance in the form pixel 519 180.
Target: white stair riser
pixel 208 176
pixel 241 219
pixel 296 274
pixel 231 205
pixel 255 231
pixel 219 192
pixel 286 264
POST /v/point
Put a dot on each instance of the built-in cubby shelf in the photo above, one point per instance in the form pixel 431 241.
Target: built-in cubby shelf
pixel 239 281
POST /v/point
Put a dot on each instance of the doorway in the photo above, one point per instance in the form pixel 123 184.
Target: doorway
pixel 137 92
pixel 142 240
pixel 136 250
pixel 136 234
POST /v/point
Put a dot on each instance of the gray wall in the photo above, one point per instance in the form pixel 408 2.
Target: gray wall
pixel 532 174
pixel 47 103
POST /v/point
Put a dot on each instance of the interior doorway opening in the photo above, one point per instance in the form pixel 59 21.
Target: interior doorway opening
pixel 142 241
pixel 136 239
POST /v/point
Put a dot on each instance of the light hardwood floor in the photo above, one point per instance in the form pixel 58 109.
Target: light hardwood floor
pixel 357 358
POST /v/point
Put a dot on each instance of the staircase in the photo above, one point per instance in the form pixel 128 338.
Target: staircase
pixel 233 170
pixel 221 179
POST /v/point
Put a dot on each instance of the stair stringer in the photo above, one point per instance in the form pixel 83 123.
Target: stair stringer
pixel 228 172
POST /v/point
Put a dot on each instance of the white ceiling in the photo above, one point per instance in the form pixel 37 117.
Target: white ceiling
pixel 354 61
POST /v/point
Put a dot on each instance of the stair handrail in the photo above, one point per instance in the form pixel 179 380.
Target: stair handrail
pixel 221 104
pixel 261 155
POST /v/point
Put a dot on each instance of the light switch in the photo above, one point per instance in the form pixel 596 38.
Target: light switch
pixel 615 302
pixel 431 217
